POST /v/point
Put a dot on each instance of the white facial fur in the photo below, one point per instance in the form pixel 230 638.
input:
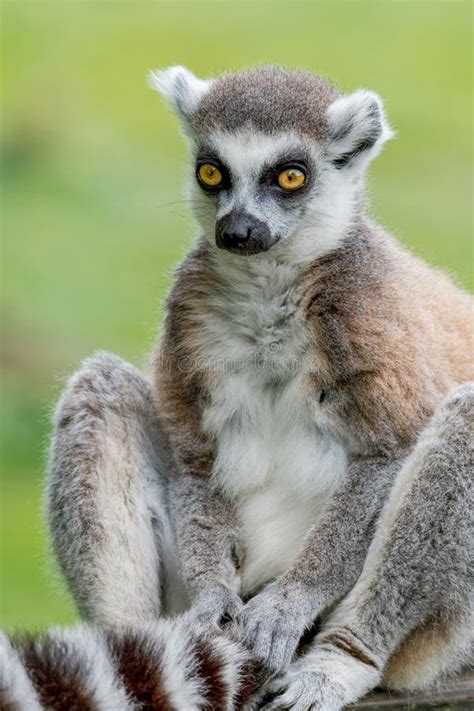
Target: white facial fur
pixel 245 154
pixel 306 232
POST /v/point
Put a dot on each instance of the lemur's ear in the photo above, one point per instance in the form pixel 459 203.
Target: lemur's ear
pixel 181 89
pixel 358 128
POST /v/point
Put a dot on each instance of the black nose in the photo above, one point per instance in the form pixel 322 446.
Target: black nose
pixel 236 227
pixel 240 232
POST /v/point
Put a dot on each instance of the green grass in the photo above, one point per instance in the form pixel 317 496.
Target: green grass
pixel 92 161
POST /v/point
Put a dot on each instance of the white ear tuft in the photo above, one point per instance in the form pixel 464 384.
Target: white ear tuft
pixel 180 87
pixel 358 128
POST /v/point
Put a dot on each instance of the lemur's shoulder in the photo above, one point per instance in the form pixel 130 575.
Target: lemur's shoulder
pixel 395 333
pixel 196 282
pixel 181 378
pixel 195 279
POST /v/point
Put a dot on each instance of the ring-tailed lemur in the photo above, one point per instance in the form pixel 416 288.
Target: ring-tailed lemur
pixel 278 458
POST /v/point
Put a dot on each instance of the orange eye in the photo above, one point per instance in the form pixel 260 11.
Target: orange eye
pixel 210 175
pixel 291 179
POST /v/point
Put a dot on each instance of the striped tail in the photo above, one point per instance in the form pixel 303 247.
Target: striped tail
pixel 169 665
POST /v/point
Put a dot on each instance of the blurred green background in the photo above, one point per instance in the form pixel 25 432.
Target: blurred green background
pixel 92 160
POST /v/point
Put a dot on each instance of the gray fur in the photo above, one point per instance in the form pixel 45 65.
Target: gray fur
pixel 109 457
pixel 207 546
pixel 269 99
pixel 106 458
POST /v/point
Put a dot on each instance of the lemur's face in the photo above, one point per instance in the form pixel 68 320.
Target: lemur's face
pixel 277 155
pixel 250 190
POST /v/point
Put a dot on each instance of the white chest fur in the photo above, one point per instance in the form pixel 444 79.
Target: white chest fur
pixel 272 458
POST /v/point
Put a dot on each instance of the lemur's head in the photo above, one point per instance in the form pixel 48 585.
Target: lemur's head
pixel 278 155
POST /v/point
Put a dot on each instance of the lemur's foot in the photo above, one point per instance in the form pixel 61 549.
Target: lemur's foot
pixel 325 679
pixel 305 691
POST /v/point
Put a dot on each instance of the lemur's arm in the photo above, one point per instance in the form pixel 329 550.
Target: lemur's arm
pixel 205 524
pixel 327 566
pixel 207 543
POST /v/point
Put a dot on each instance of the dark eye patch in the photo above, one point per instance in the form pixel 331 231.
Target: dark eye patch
pixel 273 169
pixel 269 178
pixel 204 157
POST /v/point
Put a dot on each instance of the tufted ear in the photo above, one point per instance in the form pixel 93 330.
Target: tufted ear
pixel 358 129
pixel 181 89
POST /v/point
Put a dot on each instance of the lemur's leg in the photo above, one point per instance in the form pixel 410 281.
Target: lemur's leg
pixel 106 494
pixel 418 570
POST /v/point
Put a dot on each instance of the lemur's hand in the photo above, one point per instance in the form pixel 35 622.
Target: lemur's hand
pixel 272 624
pixel 216 605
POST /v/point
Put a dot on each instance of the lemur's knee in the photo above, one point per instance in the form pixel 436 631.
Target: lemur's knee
pixel 459 404
pixel 446 444
pixel 105 383
pixel 105 419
